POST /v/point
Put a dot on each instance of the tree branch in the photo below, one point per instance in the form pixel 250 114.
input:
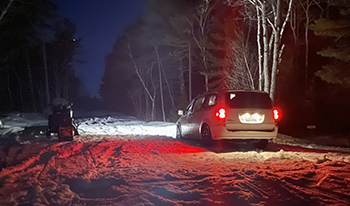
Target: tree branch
pixel 6 9
pixel 287 17
pixel 138 72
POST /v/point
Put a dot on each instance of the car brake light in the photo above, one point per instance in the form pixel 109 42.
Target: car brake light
pixel 276 114
pixel 221 114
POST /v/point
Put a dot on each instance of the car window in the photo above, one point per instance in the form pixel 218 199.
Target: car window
pixel 198 104
pixel 210 100
pixel 189 108
pixel 248 100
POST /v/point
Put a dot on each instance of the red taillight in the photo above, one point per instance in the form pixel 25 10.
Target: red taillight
pixel 276 114
pixel 221 114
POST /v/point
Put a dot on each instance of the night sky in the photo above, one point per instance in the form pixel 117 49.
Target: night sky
pixel 98 23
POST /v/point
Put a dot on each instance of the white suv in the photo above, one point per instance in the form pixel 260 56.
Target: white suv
pixel 230 114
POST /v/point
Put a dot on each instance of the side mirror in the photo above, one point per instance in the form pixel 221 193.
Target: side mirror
pixel 180 112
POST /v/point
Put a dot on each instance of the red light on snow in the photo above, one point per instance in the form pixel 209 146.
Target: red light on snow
pixel 221 114
pixel 276 114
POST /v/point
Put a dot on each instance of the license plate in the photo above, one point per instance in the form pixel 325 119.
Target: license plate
pixel 251 118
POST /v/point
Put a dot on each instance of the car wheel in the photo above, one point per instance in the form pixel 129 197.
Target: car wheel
pixel 178 132
pixel 207 140
pixel 261 144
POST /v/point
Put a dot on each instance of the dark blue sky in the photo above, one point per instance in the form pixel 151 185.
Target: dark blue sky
pixel 98 23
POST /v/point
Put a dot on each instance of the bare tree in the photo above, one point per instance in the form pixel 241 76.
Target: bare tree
pixel 160 75
pixel 47 88
pixel 242 72
pixel 4 11
pixel 306 7
pixel 144 76
pixel 181 43
pixel 271 17
pixel 31 84
pixel 278 26
pixel 200 27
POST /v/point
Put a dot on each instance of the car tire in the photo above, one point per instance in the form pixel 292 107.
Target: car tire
pixel 207 140
pixel 178 132
pixel 261 144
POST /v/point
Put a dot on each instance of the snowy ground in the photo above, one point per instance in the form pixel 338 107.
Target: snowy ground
pixel 119 160
pixel 92 123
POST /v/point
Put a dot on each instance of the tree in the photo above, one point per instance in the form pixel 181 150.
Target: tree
pixel 145 58
pixel 201 23
pixel 234 55
pixel 21 30
pixel 180 41
pixel 152 42
pixel 24 28
pixel 242 73
pixel 306 6
pixel 335 28
pixel 302 14
pixel 5 9
pixel 144 73
pixel 60 52
pixel 271 17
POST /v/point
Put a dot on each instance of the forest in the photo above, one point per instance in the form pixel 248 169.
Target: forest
pixel 37 49
pixel 295 50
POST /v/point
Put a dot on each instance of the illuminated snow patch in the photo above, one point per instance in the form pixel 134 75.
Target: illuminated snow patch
pixel 16 122
pixel 116 126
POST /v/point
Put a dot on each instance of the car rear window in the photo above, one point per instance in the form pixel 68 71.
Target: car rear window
pixel 248 100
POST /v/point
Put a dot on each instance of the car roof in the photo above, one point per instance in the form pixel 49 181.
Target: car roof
pixel 243 91
pixel 234 90
pixel 229 90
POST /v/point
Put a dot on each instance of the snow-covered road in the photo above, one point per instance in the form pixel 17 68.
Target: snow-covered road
pixel 120 160
pixel 162 171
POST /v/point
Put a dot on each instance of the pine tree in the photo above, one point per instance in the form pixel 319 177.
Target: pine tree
pixel 336 28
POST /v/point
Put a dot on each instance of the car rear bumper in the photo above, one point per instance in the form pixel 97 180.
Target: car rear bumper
pixel 221 132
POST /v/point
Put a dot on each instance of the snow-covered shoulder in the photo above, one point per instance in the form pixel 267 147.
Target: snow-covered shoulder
pixel 16 122
pixel 91 123
pixel 124 126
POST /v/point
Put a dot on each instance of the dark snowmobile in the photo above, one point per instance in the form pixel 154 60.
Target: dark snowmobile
pixel 61 122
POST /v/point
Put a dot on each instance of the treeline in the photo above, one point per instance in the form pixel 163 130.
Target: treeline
pixel 36 54
pixel 167 57
pixel 291 49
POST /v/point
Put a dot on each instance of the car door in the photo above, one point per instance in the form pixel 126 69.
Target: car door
pixel 184 120
pixel 196 117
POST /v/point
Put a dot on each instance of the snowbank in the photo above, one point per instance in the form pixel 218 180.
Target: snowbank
pixel 123 126
pixel 16 122
pixel 92 123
